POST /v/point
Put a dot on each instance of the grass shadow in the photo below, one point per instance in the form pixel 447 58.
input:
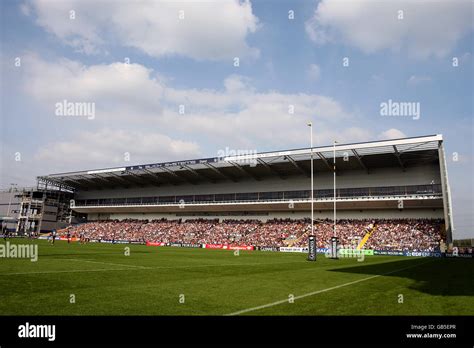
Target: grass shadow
pixel 439 277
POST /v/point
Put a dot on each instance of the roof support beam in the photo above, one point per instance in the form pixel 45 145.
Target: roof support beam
pixel 298 166
pixel 97 185
pixel 135 175
pixel 326 162
pixel 397 155
pixel 413 147
pixel 220 173
pixel 197 174
pixel 74 182
pixel 360 160
pixel 176 175
pixel 71 180
pixel 172 173
pixel 122 179
pixel 154 176
pixel 101 178
pixel 270 168
pixel 83 177
pixel 245 171
pixel 115 181
pixel 55 182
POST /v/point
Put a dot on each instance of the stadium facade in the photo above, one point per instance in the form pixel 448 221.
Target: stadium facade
pixel 390 179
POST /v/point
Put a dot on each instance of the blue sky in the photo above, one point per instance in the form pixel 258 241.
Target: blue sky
pixel 404 56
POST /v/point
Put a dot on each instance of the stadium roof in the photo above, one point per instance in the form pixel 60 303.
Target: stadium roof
pixel 402 152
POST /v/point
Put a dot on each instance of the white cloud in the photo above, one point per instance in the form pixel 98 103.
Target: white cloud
pixel 391 133
pixel 377 78
pixel 341 135
pixel 466 58
pixel 314 72
pixel 25 9
pixel 236 83
pixel 214 30
pixel 428 28
pixel 112 86
pixel 107 147
pixel 237 115
pixel 415 80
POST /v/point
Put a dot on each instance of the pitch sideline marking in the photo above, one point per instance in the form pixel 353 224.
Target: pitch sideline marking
pixel 224 265
pixel 321 291
pixel 109 263
pixel 164 267
pixel 68 271
pixel 128 269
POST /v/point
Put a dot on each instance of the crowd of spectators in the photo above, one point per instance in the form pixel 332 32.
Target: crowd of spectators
pixel 407 234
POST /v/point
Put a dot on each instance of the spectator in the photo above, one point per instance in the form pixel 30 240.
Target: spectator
pixel 404 234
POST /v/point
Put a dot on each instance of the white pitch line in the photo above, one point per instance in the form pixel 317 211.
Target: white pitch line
pixel 228 264
pixel 128 269
pixel 319 291
pixel 186 266
pixel 109 263
pixel 143 267
pixel 68 271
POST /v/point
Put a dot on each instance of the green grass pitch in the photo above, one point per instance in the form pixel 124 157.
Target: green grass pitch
pixel 181 281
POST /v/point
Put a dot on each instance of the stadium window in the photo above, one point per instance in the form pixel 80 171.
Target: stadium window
pixel 204 198
pixel 167 199
pixel 148 200
pixel 324 193
pixel 376 191
pixel 297 194
pixel 275 195
pixel 252 196
pixel 225 197
pixel 347 192
pixel 396 190
pixel 185 199
pixel 270 195
pixel 134 200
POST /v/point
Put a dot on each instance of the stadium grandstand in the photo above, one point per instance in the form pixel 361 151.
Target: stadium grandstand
pixel 391 194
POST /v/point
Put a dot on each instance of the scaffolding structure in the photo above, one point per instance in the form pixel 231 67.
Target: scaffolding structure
pixel 43 209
